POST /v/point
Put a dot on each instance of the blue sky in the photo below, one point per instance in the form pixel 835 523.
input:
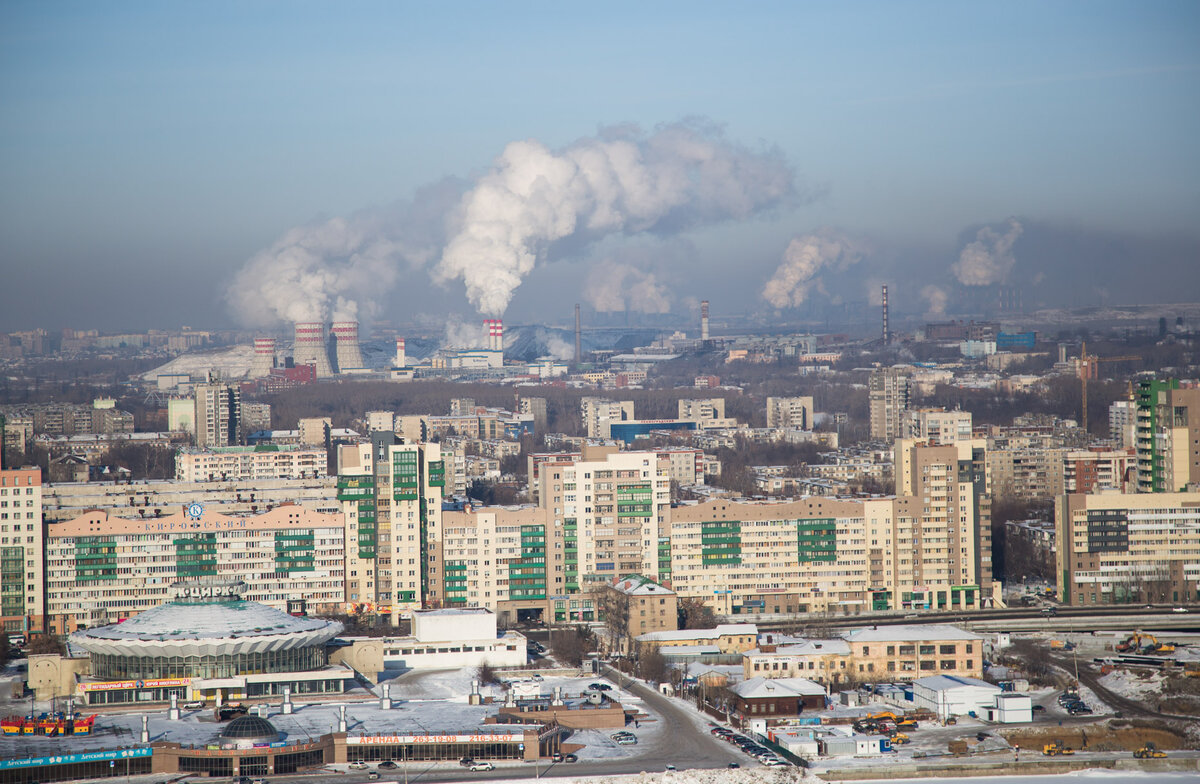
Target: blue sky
pixel 153 148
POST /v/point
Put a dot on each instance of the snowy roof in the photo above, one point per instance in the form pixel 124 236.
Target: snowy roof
pixel 944 682
pixel 909 633
pixel 691 650
pixel 637 585
pixel 180 628
pixel 802 647
pixel 777 687
pixel 721 630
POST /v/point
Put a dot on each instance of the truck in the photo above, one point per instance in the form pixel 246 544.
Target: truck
pixel 1057 749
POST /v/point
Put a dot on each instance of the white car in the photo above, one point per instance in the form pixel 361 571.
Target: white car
pixel 1179 609
pixel 482 766
pixel 358 765
pixel 197 705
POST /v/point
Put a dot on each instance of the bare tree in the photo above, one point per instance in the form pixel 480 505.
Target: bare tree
pixel 695 614
pixel 570 646
pixel 652 665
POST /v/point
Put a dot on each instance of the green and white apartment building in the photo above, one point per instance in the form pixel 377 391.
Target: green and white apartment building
pixel 391 495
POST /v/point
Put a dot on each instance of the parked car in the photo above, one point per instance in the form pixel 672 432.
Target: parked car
pixel 258 781
pixel 630 741
pixel 194 705
pixel 570 758
pixel 358 765
pixel 466 762
pixel 481 766
pixel 734 765
pixel 1077 710
pixel 387 765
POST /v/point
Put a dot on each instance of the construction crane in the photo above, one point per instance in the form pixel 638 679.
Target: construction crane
pixel 1086 362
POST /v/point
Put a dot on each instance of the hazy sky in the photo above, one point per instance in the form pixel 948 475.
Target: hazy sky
pixel 149 150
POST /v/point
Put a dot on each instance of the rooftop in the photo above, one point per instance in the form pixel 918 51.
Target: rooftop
pixel 721 630
pixel 909 633
pixel 777 687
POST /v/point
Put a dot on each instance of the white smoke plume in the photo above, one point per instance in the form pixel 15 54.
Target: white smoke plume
pixel 340 268
pixel 935 298
pixel 613 287
pixel 622 182
pixel 804 259
pixel 461 334
pixel 989 258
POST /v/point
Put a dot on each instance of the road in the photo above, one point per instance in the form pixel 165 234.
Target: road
pixel 1129 708
pixel 680 739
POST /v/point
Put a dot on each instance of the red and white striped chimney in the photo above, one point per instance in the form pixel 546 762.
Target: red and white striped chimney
pixel 495 334
pixel 401 359
pixel 264 357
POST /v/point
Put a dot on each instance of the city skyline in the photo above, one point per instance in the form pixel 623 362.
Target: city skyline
pixel 152 152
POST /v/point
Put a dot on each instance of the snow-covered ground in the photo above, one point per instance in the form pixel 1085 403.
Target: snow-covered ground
pixel 1134 685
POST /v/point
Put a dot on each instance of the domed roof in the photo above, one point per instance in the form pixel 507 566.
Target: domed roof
pixel 251 728
pixel 184 628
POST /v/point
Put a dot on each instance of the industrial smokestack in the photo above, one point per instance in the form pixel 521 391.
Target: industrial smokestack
pixel 495 332
pixel 887 336
pixel 264 357
pixel 401 359
pixel 309 348
pixel 704 319
pixel 578 350
pixel 345 337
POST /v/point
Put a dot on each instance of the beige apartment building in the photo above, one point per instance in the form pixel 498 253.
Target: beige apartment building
pixel 22 559
pixel 240 463
pixel 888 391
pixel 877 653
pixel 102 568
pixel 792 413
pixel 1128 548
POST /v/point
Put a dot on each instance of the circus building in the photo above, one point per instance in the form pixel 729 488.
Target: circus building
pixel 206 644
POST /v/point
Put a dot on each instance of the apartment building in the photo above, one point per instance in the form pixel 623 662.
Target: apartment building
pixel 943 520
pixel 102 568
pixel 791 413
pixel 936 425
pixel 1090 470
pixel 22 554
pixel 1168 436
pixel 889 391
pixel 239 463
pixel 1122 423
pixel 704 411
pixel 391 496
pixel 218 419
pixel 598 412
pixel 511 561
pixel 1124 548
pixel 613 508
pixel 155 498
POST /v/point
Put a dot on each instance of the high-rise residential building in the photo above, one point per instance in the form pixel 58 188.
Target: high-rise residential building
pixel 391 496
pixel 218 419
pixel 943 504
pixel 1128 548
pixel 794 413
pixel 936 425
pixel 1122 423
pixel 535 407
pixel 255 417
pixel 613 512
pixel 22 557
pixel 104 568
pixel 598 411
pixel 889 391
pixel 1168 436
